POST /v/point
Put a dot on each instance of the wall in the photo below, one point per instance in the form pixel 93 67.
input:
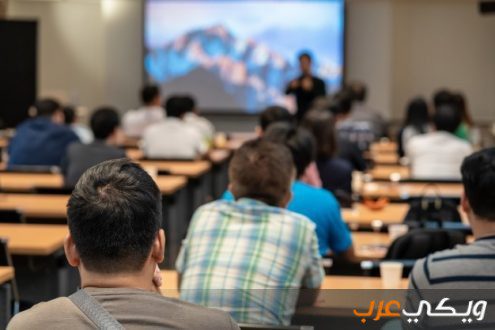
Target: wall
pixel 401 48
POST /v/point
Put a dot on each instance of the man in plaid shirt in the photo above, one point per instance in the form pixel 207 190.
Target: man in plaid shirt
pixel 250 256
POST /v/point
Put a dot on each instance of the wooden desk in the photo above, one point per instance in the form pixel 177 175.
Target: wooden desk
pixel 33 239
pixel 191 169
pixel 36 206
pixel 384 158
pixel 383 172
pixel 29 181
pixel 134 153
pixel 370 245
pixel 362 215
pixel 6 274
pixel 218 156
pixel 170 184
pixel 384 147
pixel 404 190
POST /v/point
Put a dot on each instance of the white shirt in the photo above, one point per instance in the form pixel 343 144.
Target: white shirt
pixel 203 125
pixel 83 132
pixel 135 122
pixel 173 138
pixel 437 155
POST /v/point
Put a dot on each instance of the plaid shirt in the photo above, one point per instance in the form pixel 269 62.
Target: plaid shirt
pixel 249 259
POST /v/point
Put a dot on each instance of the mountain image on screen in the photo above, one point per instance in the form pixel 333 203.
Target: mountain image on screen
pixel 214 65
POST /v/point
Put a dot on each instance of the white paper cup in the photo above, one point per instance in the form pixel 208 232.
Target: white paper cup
pixel 391 274
pixel 397 230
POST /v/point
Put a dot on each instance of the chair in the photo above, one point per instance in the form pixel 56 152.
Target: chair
pixel 12 216
pixel 6 260
pixel 419 243
pixel 244 326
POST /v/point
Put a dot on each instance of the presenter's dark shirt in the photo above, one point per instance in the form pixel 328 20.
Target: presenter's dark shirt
pixel 304 97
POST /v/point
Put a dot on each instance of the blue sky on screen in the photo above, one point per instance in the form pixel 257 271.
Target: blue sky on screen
pixel 284 26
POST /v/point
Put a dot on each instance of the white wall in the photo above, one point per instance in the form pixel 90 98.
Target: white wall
pixel 401 48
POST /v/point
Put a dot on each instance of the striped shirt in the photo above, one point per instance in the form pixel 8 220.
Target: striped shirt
pixel 249 259
pixel 469 266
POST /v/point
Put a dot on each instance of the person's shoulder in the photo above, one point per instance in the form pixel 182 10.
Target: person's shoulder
pixel 54 314
pixel 315 194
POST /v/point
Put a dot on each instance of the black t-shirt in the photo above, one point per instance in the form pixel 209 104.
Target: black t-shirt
pixel 304 97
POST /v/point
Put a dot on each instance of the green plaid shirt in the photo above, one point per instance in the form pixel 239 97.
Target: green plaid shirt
pixel 249 259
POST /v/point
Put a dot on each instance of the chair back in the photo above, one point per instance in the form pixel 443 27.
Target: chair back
pixel 12 216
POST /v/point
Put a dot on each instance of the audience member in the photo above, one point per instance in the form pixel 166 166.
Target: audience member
pixel 135 122
pixel 105 124
pixel 467 266
pixel 172 137
pixel 335 172
pixel 203 125
pixel 116 242
pixel 272 114
pixel 43 140
pixel 467 130
pixel 82 131
pixel 417 122
pixel 361 112
pixel 227 259
pixel 306 88
pixel 439 154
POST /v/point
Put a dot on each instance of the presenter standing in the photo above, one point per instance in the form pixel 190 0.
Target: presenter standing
pixel 306 88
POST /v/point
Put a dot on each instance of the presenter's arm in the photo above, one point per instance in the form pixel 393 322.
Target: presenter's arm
pixel 292 87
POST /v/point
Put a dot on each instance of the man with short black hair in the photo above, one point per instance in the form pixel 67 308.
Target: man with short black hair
pixel 250 256
pixel 105 124
pixel 135 122
pixel 467 266
pixel 272 114
pixel 42 140
pixel 439 154
pixel 116 242
pixel 173 137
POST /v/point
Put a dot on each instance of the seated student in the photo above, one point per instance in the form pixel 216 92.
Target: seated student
pixel 417 122
pixel 105 124
pixel 173 137
pixel 71 120
pixel 467 266
pixel 361 112
pixel 135 122
pixel 335 172
pixel 116 241
pixel 203 125
pixel 439 154
pixel 43 140
pixel 250 256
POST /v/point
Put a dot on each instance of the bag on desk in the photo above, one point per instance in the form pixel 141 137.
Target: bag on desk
pixel 431 209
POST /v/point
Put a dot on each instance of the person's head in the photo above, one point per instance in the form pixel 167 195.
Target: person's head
pixel 417 114
pixel 341 104
pixel 273 114
pixel 69 115
pixel 447 118
pixel 299 140
pixel 478 178
pixel 105 124
pixel 50 108
pixel 460 102
pixel 176 106
pixel 190 102
pixel 150 95
pixel 114 216
pixel 322 125
pixel 442 97
pixel 262 170
pixel 305 63
pixel 359 91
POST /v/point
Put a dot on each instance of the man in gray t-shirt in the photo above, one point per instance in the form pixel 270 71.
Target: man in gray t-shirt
pixel 116 242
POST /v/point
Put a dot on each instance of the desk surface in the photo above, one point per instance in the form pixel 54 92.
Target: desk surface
pixel 31 239
pixel 370 245
pixel 383 172
pixel 192 169
pixel 405 190
pixel 36 206
pixel 384 158
pixel 384 147
pixel 362 215
pixel 6 274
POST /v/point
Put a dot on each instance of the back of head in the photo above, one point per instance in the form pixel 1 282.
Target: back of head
pixel 114 214
pixel 261 170
pixel 300 142
pixel 459 100
pixel 149 94
pixel 417 114
pixel 190 103
pixel 341 102
pixel 478 177
pixel 442 97
pixel 69 115
pixel 274 114
pixel 321 124
pixel 305 55
pixel 447 118
pixel 176 106
pixel 47 107
pixel 359 91
pixel 103 122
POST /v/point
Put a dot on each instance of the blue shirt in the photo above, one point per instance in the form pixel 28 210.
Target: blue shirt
pixel 321 207
pixel 39 141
